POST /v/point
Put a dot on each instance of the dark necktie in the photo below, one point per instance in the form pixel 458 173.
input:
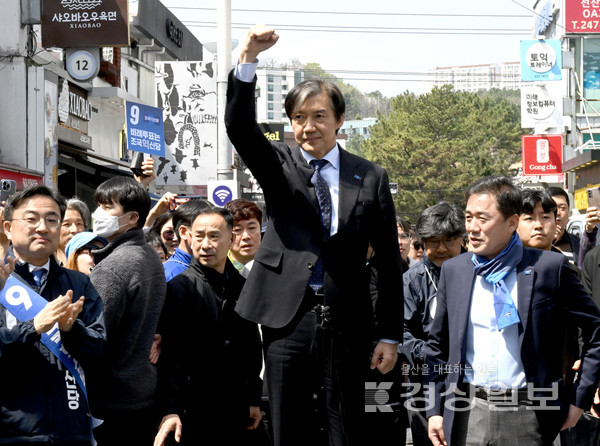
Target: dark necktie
pixel 323 195
pixel 324 199
pixel 38 276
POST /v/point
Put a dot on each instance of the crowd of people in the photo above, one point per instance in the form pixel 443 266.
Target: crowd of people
pixel 154 325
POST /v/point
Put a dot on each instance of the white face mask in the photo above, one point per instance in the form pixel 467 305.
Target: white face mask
pixel 105 225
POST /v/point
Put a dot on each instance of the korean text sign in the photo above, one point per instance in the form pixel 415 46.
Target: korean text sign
pixel 145 130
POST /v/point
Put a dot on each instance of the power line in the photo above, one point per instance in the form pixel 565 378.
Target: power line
pixel 363 30
pixel 407 14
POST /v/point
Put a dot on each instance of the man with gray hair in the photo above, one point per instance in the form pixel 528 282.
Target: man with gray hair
pixel 441 227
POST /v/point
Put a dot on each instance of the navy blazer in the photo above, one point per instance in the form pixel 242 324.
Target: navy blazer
pixel 294 239
pixel 550 300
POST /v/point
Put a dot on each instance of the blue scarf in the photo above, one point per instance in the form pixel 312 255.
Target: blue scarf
pixel 494 271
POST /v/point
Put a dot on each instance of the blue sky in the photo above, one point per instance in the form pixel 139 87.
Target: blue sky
pixel 361 57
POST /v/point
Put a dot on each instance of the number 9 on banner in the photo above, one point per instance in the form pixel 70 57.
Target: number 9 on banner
pixel 17 295
pixel 134 114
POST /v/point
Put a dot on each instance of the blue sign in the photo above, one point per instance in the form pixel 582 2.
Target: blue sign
pixel 222 195
pixel 541 60
pixel 145 130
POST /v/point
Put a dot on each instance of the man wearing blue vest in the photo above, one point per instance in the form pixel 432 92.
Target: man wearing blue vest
pixel 42 400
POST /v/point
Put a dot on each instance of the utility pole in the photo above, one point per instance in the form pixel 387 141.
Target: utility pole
pixel 224 148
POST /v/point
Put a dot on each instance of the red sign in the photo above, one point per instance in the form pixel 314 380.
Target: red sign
pixel 582 16
pixel 542 154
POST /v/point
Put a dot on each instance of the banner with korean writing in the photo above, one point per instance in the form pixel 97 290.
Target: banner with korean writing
pixel 145 131
pixel 542 106
pixel 582 16
pixel 187 93
pixel 74 23
pixel 541 60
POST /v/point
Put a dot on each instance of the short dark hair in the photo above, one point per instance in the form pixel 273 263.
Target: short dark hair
pixel 17 198
pixel 531 197
pixel 403 224
pixel 126 192
pixel 77 205
pixel 160 221
pixel 313 87
pixel 244 210
pixel 186 213
pixel 154 240
pixel 553 191
pixel 441 219
pixel 220 211
pixel 507 194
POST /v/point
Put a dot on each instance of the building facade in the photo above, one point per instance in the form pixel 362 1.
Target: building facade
pixel 68 134
pixel 473 78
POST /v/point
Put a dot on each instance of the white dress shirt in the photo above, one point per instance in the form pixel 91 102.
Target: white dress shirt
pixel 493 358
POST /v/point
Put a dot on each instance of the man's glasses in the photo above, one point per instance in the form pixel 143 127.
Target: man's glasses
pixel 448 242
pixel 33 221
pixel 418 246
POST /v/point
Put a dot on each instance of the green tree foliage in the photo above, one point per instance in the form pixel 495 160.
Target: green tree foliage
pixel 436 144
pixel 358 104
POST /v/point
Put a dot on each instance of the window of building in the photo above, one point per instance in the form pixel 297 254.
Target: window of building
pixel 270 96
pixel 270 87
pixel 283 77
pixel 270 77
pixel 270 115
pixel 270 106
pixel 589 72
pixel 284 87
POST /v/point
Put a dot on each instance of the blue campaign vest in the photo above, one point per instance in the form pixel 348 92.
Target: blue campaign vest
pixel 24 304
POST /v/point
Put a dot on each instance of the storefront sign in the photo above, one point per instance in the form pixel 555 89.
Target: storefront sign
pixel 77 23
pixel 23 180
pixel 74 109
pixel 582 16
pixel 541 106
pixel 542 154
pixel 541 60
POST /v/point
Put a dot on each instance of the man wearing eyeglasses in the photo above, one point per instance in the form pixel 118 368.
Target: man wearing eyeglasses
pixel 41 397
pixel 441 227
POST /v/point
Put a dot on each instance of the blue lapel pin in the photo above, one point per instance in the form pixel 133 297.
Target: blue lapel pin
pixel 357 177
pixel 527 272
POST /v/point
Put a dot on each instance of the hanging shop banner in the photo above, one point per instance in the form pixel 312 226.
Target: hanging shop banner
pixel 582 16
pixel 187 94
pixel 50 135
pixel 542 154
pixel 542 106
pixel 541 60
pixel 77 23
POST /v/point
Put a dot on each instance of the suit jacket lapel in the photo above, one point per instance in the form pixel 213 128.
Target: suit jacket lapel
pixel 463 306
pixel 305 173
pixel 351 179
pixel 525 278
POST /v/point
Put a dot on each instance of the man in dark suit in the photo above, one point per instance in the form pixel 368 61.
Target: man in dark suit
pixel 309 285
pixel 502 315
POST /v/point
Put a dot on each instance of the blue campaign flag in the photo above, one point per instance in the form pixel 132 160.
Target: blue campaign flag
pixel 541 60
pixel 145 130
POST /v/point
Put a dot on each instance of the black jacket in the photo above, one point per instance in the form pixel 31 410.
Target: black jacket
pixel 211 357
pixel 36 406
pixel 294 240
pixel 420 290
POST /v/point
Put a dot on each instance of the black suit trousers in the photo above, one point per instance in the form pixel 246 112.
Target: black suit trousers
pixel 299 366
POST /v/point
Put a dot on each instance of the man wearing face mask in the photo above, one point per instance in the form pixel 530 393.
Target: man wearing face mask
pixel 131 281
